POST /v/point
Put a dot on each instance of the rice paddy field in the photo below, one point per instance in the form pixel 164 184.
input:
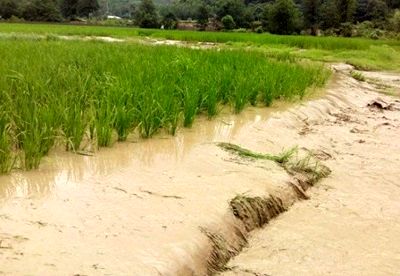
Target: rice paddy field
pixel 71 91
pixel 55 91
pixel 303 42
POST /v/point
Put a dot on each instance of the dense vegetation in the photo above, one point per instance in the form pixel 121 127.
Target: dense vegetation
pixel 69 92
pixel 333 17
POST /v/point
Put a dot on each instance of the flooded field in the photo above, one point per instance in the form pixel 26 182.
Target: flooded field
pixel 163 206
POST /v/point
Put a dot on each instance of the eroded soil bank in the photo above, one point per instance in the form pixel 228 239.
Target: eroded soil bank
pixel 150 208
pixel 351 224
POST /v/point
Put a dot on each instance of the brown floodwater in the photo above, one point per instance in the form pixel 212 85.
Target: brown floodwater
pixel 62 171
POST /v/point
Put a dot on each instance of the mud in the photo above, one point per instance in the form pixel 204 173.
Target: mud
pixel 169 205
pixel 351 223
pixel 141 40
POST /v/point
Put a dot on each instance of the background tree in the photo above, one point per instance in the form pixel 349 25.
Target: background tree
pixel 69 8
pixel 169 20
pixel 377 11
pixel 346 10
pixel 203 16
pixel 311 10
pixel 395 21
pixel 234 8
pixel 283 17
pixel 228 22
pixel 328 15
pixel 8 8
pixel 42 10
pixel 146 15
pixel 87 7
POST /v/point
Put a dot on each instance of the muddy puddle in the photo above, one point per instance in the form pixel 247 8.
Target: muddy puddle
pixel 134 208
pixel 163 206
pixel 63 171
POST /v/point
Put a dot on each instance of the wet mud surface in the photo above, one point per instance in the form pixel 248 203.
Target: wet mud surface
pixel 150 207
pixel 351 223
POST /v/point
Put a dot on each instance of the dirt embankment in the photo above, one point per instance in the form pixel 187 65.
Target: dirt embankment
pixel 184 205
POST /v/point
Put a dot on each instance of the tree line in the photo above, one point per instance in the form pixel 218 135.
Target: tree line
pixel 275 16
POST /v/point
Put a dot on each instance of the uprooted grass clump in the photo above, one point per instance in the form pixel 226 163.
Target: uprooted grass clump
pixel 308 166
pixel 291 160
pixel 357 75
pixel 280 158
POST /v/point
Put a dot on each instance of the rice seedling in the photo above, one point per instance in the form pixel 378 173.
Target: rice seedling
pixel 281 158
pixel 6 155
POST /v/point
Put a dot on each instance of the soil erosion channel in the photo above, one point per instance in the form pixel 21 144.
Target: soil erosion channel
pixel 187 205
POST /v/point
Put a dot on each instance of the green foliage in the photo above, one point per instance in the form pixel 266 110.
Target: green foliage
pixel 329 15
pixel 346 10
pixel 311 15
pixel 357 75
pixel 146 15
pixel 87 7
pixel 169 21
pixel 377 10
pixel 8 8
pixel 69 8
pixel 42 10
pixel 234 8
pixel 228 22
pixel 284 17
pixel 6 155
pixel 203 15
pixel 395 21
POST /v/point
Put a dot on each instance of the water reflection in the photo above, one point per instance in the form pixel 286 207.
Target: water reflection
pixel 62 171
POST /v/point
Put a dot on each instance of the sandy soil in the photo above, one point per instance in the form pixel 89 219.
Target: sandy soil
pixel 137 208
pixel 351 224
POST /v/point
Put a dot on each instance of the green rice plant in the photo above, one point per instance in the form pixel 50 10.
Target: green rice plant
pixel 104 121
pixel 124 120
pixel 281 158
pixel 6 154
pixel 36 142
pixel 74 88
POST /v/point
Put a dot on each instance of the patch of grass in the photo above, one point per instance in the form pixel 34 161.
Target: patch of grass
pixel 357 75
pixel 309 166
pixel 281 158
pixel 290 160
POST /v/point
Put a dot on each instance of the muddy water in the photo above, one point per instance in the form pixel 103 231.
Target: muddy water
pixel 135 208
pixel 62 171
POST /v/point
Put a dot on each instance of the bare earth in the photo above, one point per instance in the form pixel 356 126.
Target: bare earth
pixel 137 209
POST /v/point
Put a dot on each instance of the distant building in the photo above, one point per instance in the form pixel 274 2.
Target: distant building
pixel 114 17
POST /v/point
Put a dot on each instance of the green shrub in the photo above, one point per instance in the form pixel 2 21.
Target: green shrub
pixel 228 22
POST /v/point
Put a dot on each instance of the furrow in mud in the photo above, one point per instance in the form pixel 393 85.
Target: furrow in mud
pixel 252 212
